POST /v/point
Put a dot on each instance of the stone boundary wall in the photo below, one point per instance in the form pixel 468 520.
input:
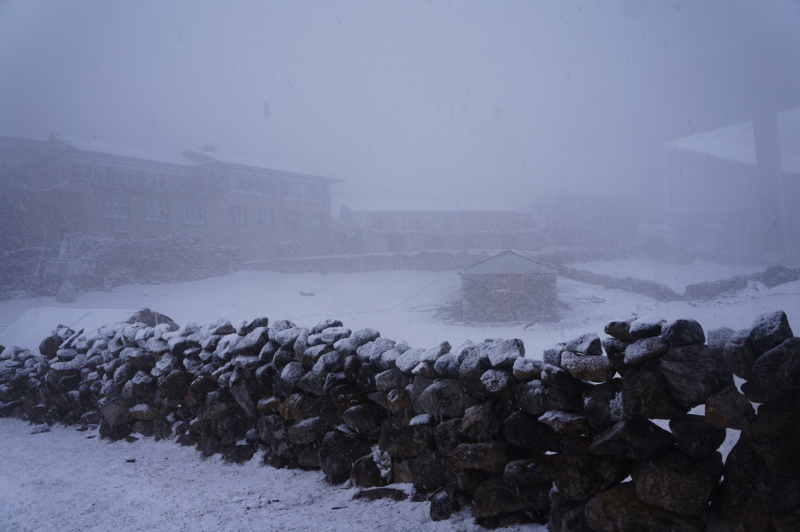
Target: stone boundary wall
pixel 567 440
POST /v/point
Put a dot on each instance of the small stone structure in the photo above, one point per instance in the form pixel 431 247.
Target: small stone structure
pixel 552 441
pixel 509 287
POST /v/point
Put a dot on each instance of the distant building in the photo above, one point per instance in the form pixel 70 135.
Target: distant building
pixel 374 226
pixel 71 185
pixel 731 192
pixel 509 287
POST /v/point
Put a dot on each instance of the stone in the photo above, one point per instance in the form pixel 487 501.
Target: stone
pixel 448 436
pixel 566 423
pixel 683 332
pixel 646 394
pixel 646 327
pixel 366 377
pixel 645 349
pixel 444 504
pixel 143 412
pixel 495 498
pixel 307 431
pixel 298 406
pixel 615 351
pixel 312 383
pixel 559 378
pixel 739 501
pixel 579 475
pixel 535 397
pixel 337 453
pixel 769 331
pixel 346 396
pixel 365 420
pixel 717 339
pixel 729 409
pixel 620 330
pixel 588 368
pixel 208 446
pixel 786 522
pixel 427 470
pixel 375 494
pixel 739 354
pixel 251 344
pixel 498 380
pixel 402 441
pixel 778 370
pixel 415 390
pixel 527 369
pixel 619 510
pixel 482 422
pixel 503 353
pixel 566 515
pixel 637 439
pixel 232 426
pixel 597 404
pixel 693 374
pixel 333 380
pixel 400 402
pixel 678 483
pixel 470 372
pixel 525 431
pixel 349 345
pixel 434 353
pixel 491 457
pixel 586 344
pixel 775 435
pixel 447 366
pixel 531 471
pixel 138 358
pixel 291 374
pixel 780 494
pixel 408 360
pixel 366 474
pixel 238 454
pixel 391 379
pixel 755 394
pixel 552 356
pixel 695 436
pixel 445 398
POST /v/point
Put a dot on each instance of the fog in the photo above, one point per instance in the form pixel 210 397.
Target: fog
pixel 458 100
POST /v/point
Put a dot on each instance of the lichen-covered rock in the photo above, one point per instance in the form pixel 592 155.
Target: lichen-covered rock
pixel 494 498
pixel 498 380
pixel 729 409
pixel 717 339
pixel 588 368
pixel 693 374
pixel 619 510
pixel 774 435
pixel 337 453
pixel 445 398
pixel 678 483
pixel 769 331
pixel 637 439
pixel 527 369
pixel 683 332
pixel 778 370
pixel 695 436
pixel 645 349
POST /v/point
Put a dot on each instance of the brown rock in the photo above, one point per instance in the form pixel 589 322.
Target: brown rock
pixel 729 409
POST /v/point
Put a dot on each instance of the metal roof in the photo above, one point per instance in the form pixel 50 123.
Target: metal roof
pixel 507 262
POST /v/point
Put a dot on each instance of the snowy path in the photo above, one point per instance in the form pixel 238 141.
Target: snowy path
pixel 60 480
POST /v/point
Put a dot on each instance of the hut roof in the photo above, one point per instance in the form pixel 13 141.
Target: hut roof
pixel 507 262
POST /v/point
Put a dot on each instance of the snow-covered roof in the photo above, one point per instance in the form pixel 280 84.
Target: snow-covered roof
pixel 361 204
pixel 507 262
pixel 737 142
pixel 125 151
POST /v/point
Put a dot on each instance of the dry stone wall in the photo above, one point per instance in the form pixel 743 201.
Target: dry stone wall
pixel 567 440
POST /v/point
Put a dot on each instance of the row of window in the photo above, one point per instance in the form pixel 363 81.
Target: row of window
pixel 115 207
pixel 237 182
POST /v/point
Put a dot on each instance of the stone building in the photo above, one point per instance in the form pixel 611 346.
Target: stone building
pixel 71 185
pixel 509 287
pixel 399 224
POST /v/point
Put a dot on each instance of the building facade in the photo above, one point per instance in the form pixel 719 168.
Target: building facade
pixel 263 210
pixel 509 287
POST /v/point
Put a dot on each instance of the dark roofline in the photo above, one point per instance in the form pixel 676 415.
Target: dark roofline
pixel 507 252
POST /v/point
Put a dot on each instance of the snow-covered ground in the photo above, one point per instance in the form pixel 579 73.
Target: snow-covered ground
pixel 61 480
pixel 675 276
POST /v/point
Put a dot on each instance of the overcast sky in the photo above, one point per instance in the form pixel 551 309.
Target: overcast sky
pixel 464 100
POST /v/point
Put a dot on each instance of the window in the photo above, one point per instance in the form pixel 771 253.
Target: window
pixel 115 207
pixel 508 283
pixel 264 218
pixel 291 221
pixel 155 211
pixel 238 215
pixel 316 222
pixel 194 214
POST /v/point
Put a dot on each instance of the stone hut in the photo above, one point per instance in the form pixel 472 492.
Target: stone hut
pixel 509 287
